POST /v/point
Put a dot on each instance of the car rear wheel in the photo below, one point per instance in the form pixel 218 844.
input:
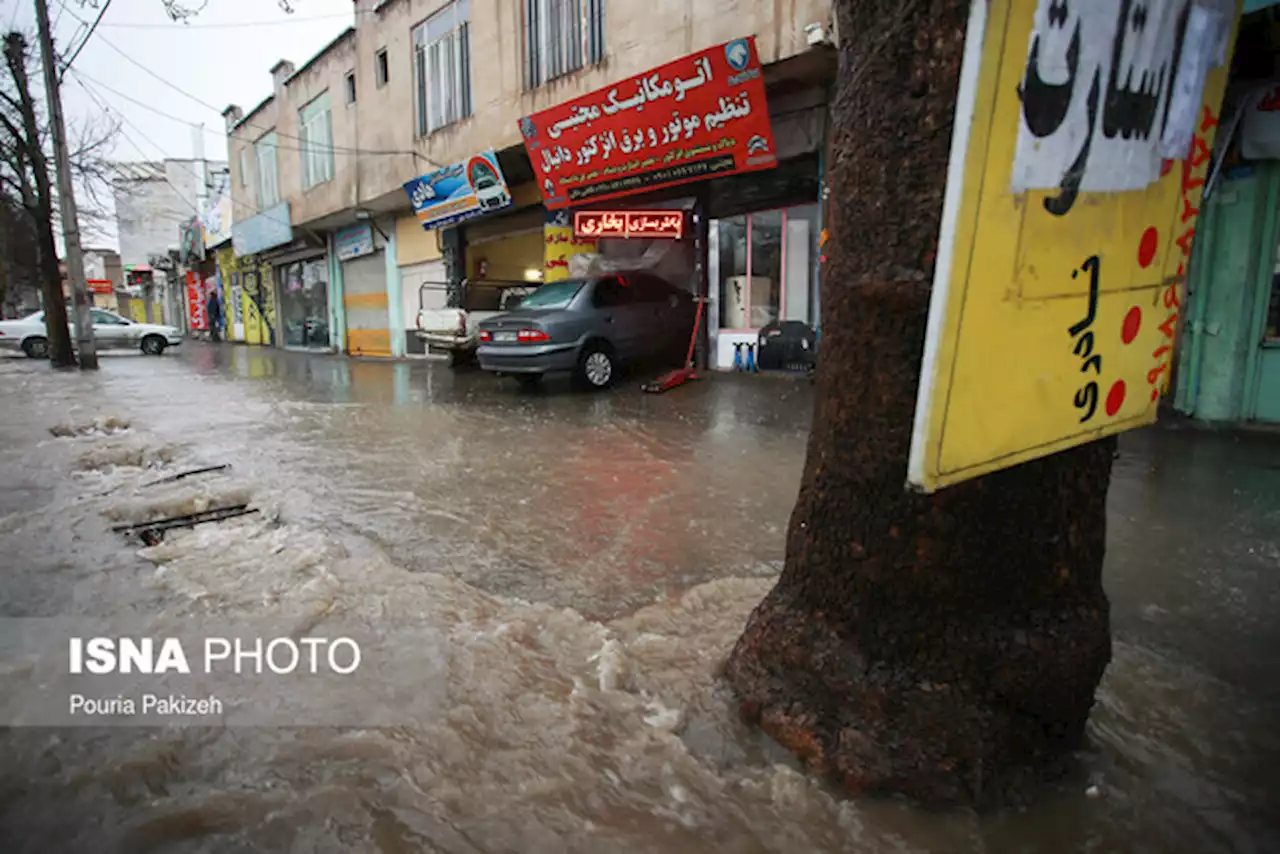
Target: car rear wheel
pixel 596 366
pixel 153 345
pixel 36 348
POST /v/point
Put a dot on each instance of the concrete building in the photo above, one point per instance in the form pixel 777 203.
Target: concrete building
pixel 153 199
pixel 325 231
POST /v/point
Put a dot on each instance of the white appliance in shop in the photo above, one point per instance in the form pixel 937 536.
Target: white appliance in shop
pixel 737 314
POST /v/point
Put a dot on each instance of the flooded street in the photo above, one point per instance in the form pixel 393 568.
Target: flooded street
pixel 586 562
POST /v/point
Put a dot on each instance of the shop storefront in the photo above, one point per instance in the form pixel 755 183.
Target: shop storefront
pixel 488 231
pixel 304 302
pixel 360 254
pixel 762 262
pixel 505 248
pixel 249 287
pixel 743 175
pixel 1229 352
pixel 261 246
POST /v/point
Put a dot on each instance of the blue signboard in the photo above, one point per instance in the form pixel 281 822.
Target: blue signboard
pixel 353 241
pixel 265 231
pixel 463 191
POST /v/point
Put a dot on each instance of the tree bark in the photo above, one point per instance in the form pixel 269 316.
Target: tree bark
pixel 39 205
pixel 946 647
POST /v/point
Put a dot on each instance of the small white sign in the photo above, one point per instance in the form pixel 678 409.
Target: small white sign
pixel 1098 89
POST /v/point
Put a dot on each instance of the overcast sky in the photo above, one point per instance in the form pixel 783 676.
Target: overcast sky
pixel 223 56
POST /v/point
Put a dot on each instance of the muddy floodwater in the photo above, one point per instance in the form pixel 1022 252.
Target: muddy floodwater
pixel 586 562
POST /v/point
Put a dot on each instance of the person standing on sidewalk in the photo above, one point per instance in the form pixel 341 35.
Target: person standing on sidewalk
pixel 213 311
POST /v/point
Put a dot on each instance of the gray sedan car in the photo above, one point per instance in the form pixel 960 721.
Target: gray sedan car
pixel 588 327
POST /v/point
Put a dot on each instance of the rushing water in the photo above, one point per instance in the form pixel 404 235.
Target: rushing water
pixel 588 561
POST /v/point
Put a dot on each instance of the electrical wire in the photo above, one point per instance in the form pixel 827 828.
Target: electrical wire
pixel 237 25
pixel 98 20
pixel 125 120
pixel 208 106
pixel 80 75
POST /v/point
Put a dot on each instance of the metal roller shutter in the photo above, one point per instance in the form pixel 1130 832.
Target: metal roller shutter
pixel 364 296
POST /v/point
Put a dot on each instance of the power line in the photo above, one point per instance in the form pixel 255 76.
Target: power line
pixel 81 76
pixel 236 25
pixel 313 145
pixel 101 103
pixel 106 5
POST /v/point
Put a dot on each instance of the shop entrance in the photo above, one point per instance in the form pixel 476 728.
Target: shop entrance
pixel 761 271
pixel 304 304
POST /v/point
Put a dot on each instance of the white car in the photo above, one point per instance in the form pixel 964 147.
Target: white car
pixel 110 332
pixel 490 193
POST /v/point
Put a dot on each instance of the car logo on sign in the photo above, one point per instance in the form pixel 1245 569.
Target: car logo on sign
pixel 737 54
pixel 757 144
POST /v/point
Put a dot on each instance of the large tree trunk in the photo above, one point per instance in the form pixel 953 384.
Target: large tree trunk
pixel 945 647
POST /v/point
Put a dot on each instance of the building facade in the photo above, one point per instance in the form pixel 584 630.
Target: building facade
pixel 153 201
pixel 325 170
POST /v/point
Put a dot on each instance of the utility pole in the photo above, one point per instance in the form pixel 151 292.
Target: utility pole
pixel 67 199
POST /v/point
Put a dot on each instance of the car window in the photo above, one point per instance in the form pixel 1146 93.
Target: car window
pixel 104 318
pixel 611 291
pixel 552 295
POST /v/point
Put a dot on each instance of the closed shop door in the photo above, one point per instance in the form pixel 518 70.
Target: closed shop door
pixel 364 289
pixel 415 296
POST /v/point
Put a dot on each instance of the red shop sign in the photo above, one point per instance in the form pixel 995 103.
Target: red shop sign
pixel 195 302
pixel 668 224
pixel 100 286
pixel 699 117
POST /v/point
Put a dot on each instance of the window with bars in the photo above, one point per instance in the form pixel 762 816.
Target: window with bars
pixel 442 67
pixel 264 155
pixel 559 36
pixel 316 123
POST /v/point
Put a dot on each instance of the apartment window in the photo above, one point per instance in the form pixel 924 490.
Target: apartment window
pixel 351 87
pixel 244 167
pixel 316 123
pixel 559 34
pixel 442 66
pixel 381 68
pixel 264 155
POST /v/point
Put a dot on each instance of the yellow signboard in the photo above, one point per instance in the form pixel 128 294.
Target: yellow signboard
pixel 1066 227
pixel 561 246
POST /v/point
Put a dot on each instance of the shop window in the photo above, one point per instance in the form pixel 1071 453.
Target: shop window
pixel 316 123
pixel 264 155
pixel 764 264
pixel 442 67
pixel 558 35
pixel 304 304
